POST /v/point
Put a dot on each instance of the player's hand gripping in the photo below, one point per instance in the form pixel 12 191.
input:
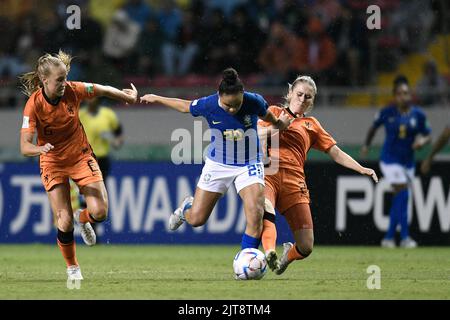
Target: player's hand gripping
pixel 285 120
pixel 131 93
pixel 371 173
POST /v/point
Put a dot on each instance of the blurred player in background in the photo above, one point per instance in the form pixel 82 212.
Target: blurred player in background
pixel 286 190
pixel 407 130
pixel 63 149
pixel 437 146
pixel 103 131
pixel 232 115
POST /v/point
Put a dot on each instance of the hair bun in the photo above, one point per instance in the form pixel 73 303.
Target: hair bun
pixel 230 75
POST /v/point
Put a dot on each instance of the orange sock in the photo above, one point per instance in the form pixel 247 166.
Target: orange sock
pixel 68 251
pixel 86 217
pixel 269 235
pixel 293 254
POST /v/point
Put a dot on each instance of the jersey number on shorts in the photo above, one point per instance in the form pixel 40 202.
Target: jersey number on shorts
pixel 255 170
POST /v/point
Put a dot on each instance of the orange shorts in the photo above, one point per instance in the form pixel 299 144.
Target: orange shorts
pixel 288 193
pixel 83 172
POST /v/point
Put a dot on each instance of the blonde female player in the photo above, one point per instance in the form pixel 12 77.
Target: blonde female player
pixel 286 190
pixel 63 149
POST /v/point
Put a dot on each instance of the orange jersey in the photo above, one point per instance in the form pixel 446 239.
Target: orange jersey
pixel 294 143
pixel 59 124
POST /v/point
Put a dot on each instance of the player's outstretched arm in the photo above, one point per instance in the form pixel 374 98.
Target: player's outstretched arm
pixel 28 149
pixel 437 146
pixel 345 160
pixel 174 103
pixel 125 95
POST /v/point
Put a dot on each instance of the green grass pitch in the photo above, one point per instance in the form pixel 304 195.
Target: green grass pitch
pixel 205 272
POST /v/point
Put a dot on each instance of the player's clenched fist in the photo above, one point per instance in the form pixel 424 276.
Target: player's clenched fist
pixel 149 98
pixel 46 148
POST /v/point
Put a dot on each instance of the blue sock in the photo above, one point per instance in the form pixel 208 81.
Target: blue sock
pixel 393 219
pixel 249 242
pixel 402 207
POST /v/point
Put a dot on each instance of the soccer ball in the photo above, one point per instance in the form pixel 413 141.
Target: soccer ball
pixel 250 264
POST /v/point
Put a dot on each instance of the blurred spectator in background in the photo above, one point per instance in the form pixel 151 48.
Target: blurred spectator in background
pixel 262 13
pixel 245 43
pixel 227 7
pixel 121 38
pixel 149 48
pixel 139 11
pixel 216 35
pixel 315 53
pixel 277 55
pixel 293 15
pixel 352 46
pixel 431 88
pixel 179 53
pixel 170 20
pixel 413 21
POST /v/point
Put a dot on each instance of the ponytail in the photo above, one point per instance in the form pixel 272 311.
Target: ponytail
pixel 32 81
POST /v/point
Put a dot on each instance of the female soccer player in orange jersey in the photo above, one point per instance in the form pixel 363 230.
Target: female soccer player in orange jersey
pixel 63 149
pixel 286 190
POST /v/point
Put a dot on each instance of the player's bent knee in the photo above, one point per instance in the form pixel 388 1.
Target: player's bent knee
pixel 196 219
pixel 99 212
pixel 65 225
pixel 197 222
pixel 100 216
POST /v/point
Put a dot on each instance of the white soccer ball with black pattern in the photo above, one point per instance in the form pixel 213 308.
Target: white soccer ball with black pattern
pixel 249 264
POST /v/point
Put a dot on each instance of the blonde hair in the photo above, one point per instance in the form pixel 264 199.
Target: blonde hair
pixel 32 81
pixel 303 79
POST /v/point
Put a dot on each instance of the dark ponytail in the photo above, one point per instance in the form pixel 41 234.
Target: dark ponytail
pixel 230 84
pixel 398 81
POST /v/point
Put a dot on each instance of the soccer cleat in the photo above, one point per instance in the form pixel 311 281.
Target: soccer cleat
pixel 388 243
pixel 74 273
pixel 408 243
pixel 177 217
pixel 284 261
pixel 272 260
pixel 86 230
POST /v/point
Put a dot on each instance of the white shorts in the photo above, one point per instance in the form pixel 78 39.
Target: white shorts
pixel 396 173
pixel 217 177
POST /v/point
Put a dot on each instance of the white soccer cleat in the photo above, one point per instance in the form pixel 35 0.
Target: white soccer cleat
pixel 177 217
pixel 86 230
pixel 74 273
pixel 284 261
pixel 272 260
pixel 408 243
pixel 388 243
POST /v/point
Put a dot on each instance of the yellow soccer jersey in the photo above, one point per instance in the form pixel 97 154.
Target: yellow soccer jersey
pixel 99 128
